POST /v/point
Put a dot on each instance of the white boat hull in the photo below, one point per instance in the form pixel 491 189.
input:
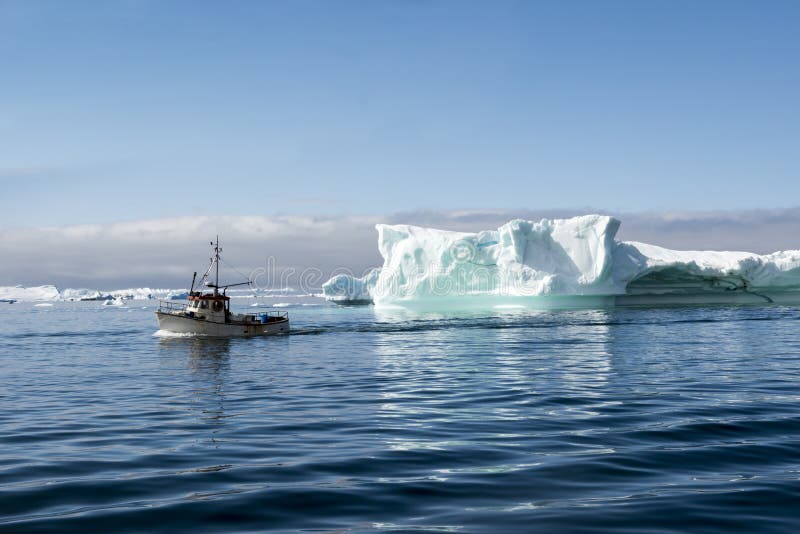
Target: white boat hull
pixel 182 324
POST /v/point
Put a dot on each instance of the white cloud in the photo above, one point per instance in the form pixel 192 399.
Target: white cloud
pixel 164 252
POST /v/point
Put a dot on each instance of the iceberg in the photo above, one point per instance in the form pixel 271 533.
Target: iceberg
pixel 72 294
pixel 137 293
pixel 52 293
pixel 144 293
pixel 34 294
pixel 575 261
pixel 177 294
pixel 347 289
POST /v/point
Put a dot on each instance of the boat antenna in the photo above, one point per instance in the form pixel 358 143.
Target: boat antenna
pixel 194 277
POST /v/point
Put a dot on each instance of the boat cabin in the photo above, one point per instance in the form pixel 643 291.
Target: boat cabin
pixel 210 306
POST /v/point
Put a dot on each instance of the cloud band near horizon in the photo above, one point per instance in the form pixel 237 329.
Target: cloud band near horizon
pixel 165 252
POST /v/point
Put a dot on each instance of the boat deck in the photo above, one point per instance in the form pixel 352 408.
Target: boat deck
pixel 183 310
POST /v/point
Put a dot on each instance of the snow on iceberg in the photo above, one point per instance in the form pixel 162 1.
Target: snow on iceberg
pixel 554 259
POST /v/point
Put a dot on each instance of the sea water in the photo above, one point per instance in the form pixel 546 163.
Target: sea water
pixel 639 420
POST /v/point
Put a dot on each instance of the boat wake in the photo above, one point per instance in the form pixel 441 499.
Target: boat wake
pixel 166 334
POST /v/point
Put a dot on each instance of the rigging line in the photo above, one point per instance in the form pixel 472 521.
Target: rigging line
pixel 249 284
pixel 205 275
pixel 235 269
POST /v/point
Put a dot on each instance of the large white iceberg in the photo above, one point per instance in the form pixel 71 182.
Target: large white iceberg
pixel 558 259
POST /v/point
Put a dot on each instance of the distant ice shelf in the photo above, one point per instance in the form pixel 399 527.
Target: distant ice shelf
pixel 559 262
pixel 49 293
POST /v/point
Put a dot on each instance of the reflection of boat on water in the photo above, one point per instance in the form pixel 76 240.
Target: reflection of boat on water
pixel 210 314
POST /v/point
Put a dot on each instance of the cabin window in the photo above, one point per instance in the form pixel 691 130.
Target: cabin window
pixel 203 304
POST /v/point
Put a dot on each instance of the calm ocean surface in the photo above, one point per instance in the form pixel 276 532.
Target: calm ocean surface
pixel 638 420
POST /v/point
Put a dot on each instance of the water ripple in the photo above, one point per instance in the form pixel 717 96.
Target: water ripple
pixel 660 420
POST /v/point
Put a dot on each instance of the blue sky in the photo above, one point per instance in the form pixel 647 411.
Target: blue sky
pixel 135 109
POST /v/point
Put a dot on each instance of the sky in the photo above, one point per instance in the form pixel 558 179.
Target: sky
pixel 120 111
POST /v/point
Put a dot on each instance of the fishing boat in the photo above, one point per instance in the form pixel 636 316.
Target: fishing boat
pixel 209 313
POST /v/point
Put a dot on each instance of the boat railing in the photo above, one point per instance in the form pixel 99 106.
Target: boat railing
pixel 167 306
pixel 266 316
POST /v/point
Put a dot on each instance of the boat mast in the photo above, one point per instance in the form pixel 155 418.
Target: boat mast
pixel 216 260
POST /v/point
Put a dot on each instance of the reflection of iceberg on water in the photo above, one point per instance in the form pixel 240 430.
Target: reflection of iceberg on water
pixel 559 262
